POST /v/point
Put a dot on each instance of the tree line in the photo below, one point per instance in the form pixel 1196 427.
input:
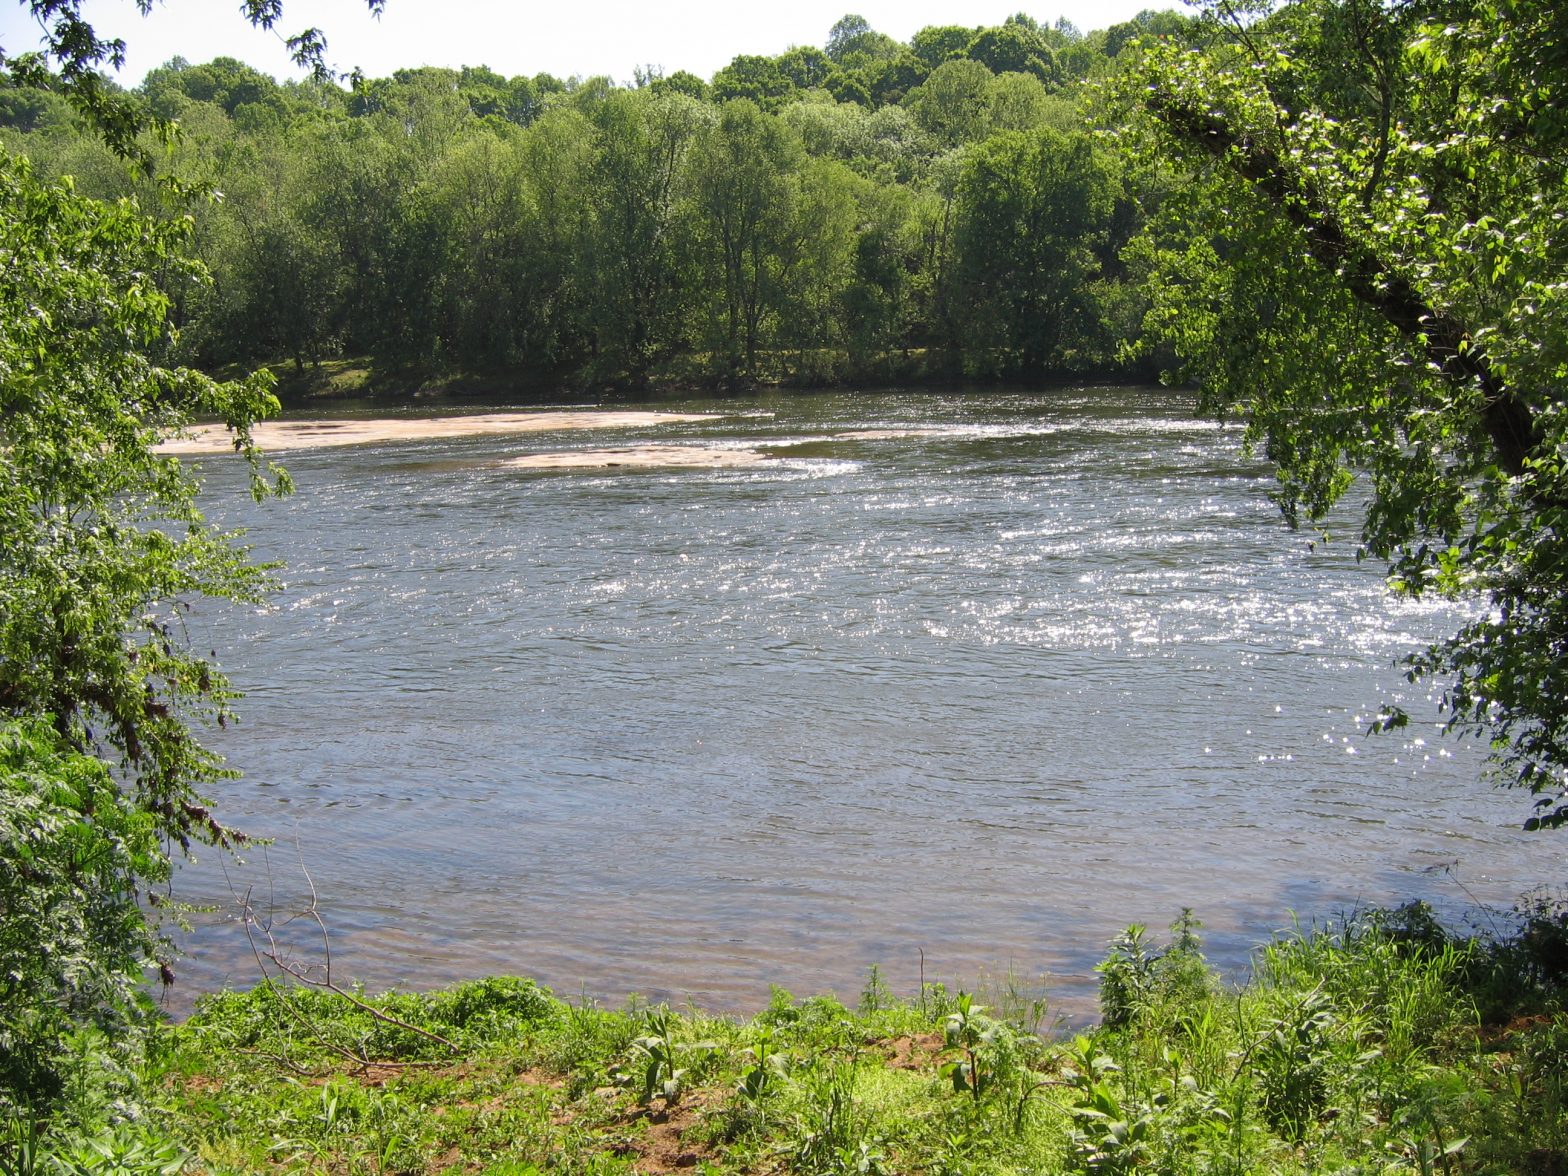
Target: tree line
pixel 868 210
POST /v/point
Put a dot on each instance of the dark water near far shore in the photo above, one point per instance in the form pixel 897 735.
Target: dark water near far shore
pixel 988 692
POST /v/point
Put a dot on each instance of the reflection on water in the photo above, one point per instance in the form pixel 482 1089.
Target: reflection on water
pixel 984 677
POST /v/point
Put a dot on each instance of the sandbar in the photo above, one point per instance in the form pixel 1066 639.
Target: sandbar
pixel 285 435
pixel 643 456
pixel 894 434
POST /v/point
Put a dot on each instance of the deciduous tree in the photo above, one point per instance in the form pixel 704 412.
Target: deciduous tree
pixel 1376 283
pixel 743 196
pixel 1031 207
pixel 102 550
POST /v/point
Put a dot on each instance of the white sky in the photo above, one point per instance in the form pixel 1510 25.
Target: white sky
pixel 575 37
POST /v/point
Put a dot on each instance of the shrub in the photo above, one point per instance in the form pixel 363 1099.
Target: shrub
pixel 74 854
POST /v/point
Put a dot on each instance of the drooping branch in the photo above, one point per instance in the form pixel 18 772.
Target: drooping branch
pixel 1371 279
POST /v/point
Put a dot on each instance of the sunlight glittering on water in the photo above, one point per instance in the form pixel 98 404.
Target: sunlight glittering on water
pixel 979 677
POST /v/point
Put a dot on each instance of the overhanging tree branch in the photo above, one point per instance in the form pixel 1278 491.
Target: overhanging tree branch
pixel 1371 279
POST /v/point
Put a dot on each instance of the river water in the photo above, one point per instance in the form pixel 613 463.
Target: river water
pixel 961 697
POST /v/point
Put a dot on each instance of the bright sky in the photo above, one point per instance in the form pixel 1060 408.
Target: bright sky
pixel 582 37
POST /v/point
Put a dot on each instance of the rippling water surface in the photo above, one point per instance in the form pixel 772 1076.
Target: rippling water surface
pixel 987 691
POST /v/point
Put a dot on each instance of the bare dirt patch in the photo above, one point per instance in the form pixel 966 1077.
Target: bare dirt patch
pixel 914 1053
pixel 316 434
pixel 663 1145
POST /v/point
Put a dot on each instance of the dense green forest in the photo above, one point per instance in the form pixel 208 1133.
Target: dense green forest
pixel 871 210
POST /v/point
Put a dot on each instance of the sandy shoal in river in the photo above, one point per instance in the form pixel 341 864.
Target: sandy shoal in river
pixel 284 435
pixel 686 456
pixel 894 434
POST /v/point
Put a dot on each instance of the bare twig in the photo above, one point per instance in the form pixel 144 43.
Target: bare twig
pixel 274 962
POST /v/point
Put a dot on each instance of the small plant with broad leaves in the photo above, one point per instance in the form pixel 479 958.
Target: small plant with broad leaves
pixel 769 1066
pixel 656 1056
pixel 1126 976
pixel 1424 1137
pixel 968 1033
pixel 1291 1059
pixel 1107 1136
pixel 1136 973
pixel 127 1149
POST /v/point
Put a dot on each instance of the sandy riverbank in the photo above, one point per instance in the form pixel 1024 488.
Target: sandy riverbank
pixel 278 436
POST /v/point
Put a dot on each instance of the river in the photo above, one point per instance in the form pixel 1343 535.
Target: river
pixel 958 696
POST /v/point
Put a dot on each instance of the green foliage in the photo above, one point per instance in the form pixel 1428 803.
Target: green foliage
pixel 876 995
pixel 224 81
pixel 1138 978
pixel 1031 209
pixel 1155 24
pixel 1354 1038
pixel 934 44
pixel 1354 1047
pixel 29 109
pixel 852 41
pixel 492 1006
pixel 682 82
pixel 103 541
pixel 450 223
pixel 1107 1137
pixel 1017 102
pixel 970 1035
pixel 953 102
pixel 834 1136
pixel 633 270
pixel 1292 1058
pixel 127 1149
pixel 73 55
pixel 654 1067
pixel 760 80
pixel 1011 48
pixel 770 1064
pixel 73 944
pixel 102 550
pixel 743 202
pixel 1371 278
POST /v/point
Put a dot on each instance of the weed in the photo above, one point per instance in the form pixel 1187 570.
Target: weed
pixel 1023 1004
pixel 876 996
pixel 1107 1137
pixel 953 1155
pixel 769 1065
pixel 1136 975
pixel 833 1137
pixel 1291 1059
pixel 493 1006
pixel 655 1058
pixel 1422 1128
pixel 19 1150
pixel 1356 1047
pixel 967 1034
pixel 127 1149
pixel 934 1002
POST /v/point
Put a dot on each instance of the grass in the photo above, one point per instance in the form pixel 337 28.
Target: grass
pixel 1379 1043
